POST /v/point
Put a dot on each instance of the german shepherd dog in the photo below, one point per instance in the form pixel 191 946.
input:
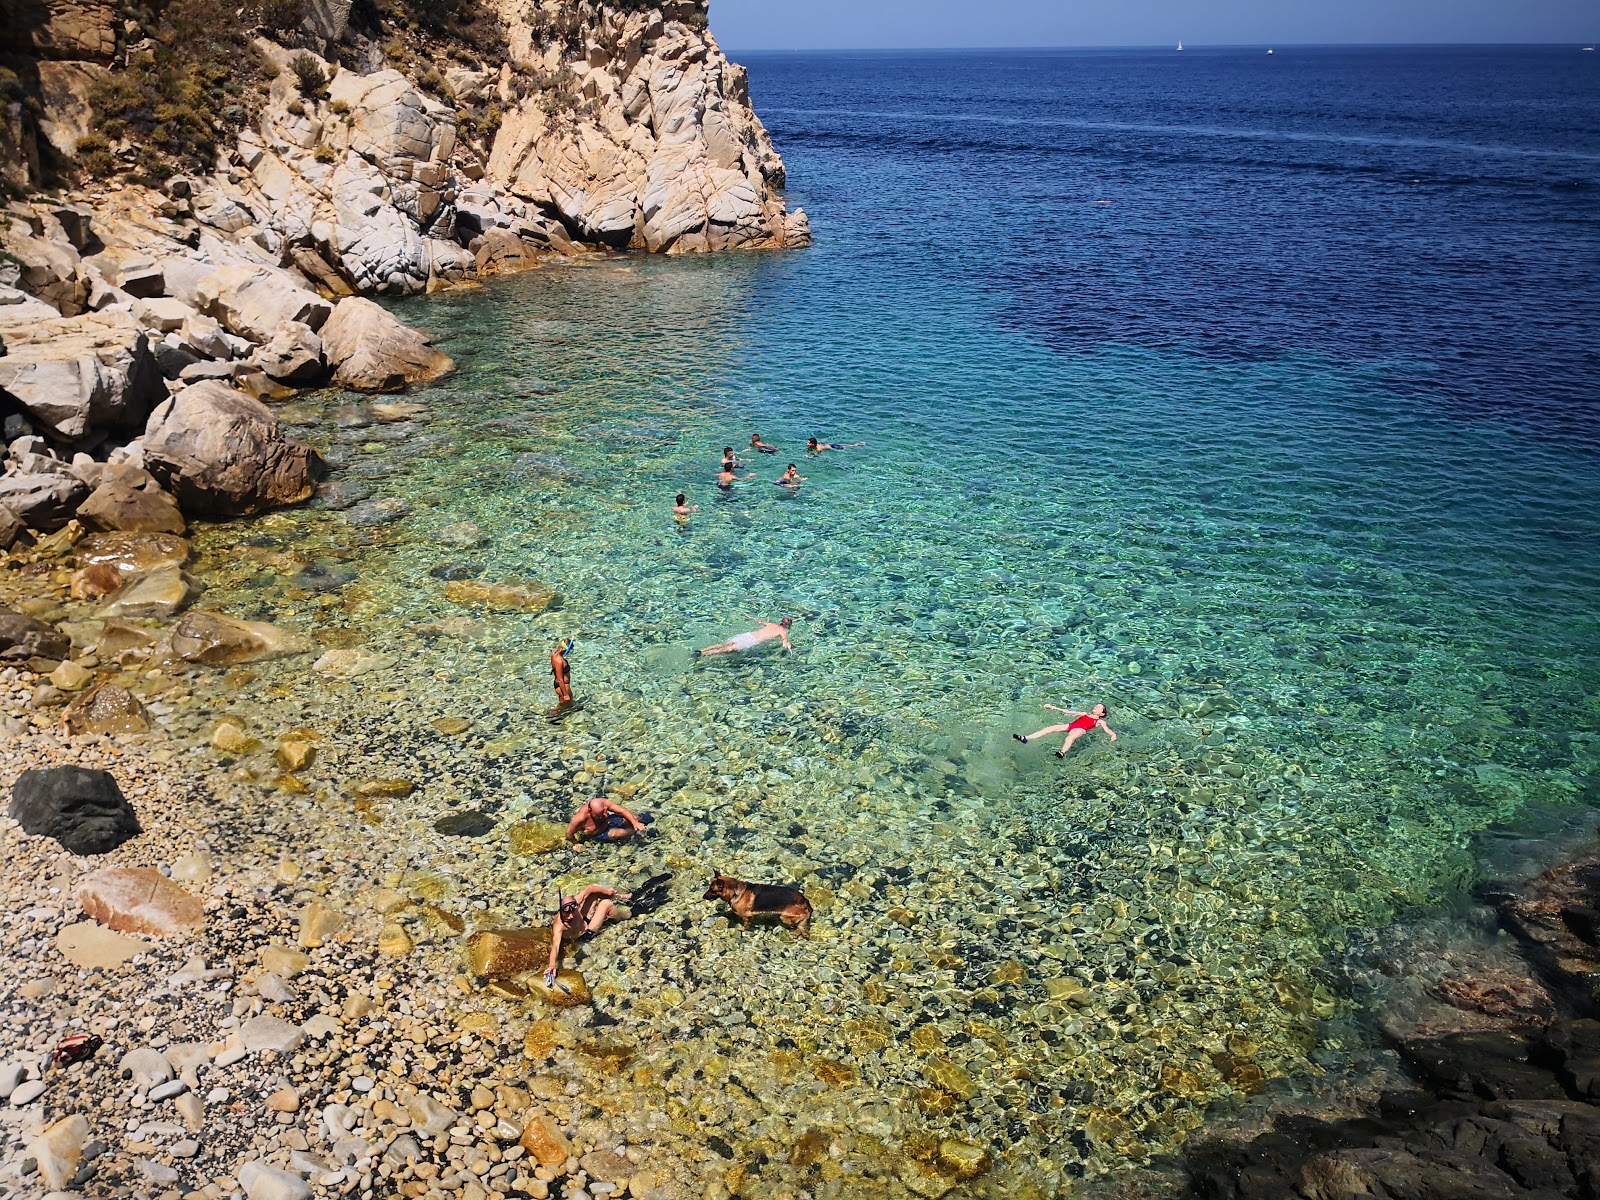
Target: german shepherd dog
pixel 788 904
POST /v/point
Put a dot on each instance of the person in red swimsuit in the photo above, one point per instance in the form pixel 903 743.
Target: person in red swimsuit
pixel 1082 723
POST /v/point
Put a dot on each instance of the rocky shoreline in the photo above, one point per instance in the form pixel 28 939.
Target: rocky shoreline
pixel 142 327
pixel 1493 1086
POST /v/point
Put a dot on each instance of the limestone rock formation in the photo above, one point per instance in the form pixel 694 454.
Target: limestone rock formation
pixel 221 452
pixel 371 351
pixel 220 641
pixel 76 374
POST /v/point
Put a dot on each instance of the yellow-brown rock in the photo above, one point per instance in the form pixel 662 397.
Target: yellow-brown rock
pixel 92 582
pixel 450 726
pixel 545 1143
pixel 108 708
pixel 570 989
pixel 230 738
pixel 504 953
pixel 962 1160
pixel 293 754
pixel 542 1038
pixel 501 597
pixel 942 1073
pixel 372 789
pixel 537 837
pixel 394 941
pixel 70 677
pixel 131 553
pixel 283 961
pixel 139 900
pixel 318 923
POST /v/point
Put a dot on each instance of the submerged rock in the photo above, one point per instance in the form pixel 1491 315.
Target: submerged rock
pixel 219 641
pixel 24 637
pixel 537 837
pixel 533 598
pixel 82 809
pixel 109 708
pixel 164 591
pixel 131 553
pixel 506 953
pixel 465 824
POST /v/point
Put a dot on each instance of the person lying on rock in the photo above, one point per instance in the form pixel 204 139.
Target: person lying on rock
pixel 603 820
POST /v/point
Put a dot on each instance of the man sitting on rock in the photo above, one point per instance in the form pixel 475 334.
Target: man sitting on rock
pixel 604 820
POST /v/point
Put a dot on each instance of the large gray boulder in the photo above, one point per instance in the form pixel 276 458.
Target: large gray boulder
pixel 222 453
pixel 82 809
pixel 251 300
pixel 44 501
pixel 78 375
pixel 372 351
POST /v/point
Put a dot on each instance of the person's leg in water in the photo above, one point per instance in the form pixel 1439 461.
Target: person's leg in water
pixel 602 913
pixel 1039 733
pixel 619 830
pixel 1072 736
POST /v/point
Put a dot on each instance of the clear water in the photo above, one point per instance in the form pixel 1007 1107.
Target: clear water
pixel 1254 398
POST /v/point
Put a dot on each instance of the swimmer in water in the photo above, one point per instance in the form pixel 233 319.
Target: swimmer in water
pixel 745 641
pixel 815 447
pixel 683 508
pixel 1082 723
pixel 726 478
pixel 791 479
pixel 603 820
pixel 757 444
pixel 729 462
pixel 580 916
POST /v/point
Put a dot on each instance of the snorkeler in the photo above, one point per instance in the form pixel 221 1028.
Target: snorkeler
pixel 562 671
pixel 772 629
pixel 1083 722
pixel 791 479
pixel 604 820
pixel 757 444
pixel 581 916
pixel 726 478
pixel 816 447
pixel 682 506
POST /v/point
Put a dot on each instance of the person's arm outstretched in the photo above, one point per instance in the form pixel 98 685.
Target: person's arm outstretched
pixel 638 825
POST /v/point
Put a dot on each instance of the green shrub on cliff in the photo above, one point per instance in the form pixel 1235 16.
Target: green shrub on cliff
pixel 308 74
pixel 177 97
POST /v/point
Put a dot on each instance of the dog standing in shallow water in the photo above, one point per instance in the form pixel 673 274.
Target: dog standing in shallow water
pixel 788 904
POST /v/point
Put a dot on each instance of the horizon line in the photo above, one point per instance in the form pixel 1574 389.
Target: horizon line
pixel 1168 46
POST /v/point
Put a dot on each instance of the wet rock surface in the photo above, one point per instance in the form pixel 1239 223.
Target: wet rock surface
pixel 1504 1095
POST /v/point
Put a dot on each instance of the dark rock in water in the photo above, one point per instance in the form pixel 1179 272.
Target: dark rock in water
pixel 457 571
pixel 341 494
pixel 82 809
pixel 350 416
pixel 391 434
pixel 467 824
pixel 335 456
pixel 23 637
pixel 1507 1111
pixel 262 541
pixel 377 512
pixel 324 577
pixel 374 468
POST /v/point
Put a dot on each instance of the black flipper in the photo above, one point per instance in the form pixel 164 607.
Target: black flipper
pixel 649 895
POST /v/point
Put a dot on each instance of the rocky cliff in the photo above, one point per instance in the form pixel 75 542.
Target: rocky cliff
pixel 198 194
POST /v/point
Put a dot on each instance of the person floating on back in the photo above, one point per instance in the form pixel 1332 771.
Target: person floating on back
pixel 757 444
pixel 815 447
pixel 604 821
pixel 1082 723
pixel 772 629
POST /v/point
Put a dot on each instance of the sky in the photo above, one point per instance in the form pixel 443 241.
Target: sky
pixel 915 24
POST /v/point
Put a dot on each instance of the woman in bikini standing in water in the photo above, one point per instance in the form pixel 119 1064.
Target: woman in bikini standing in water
pixel 1082 723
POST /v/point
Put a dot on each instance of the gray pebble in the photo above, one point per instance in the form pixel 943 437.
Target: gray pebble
pixel 167 1091
pixel 187 1148
pixel 362 1083
pixel 27 1093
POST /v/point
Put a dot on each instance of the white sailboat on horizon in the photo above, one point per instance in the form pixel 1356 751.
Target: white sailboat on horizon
pixel 1180 45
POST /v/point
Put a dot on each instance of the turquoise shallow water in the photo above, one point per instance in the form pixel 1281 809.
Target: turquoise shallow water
pixel 1327 550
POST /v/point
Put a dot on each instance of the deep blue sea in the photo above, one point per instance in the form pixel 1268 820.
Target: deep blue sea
pixel 1253 396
